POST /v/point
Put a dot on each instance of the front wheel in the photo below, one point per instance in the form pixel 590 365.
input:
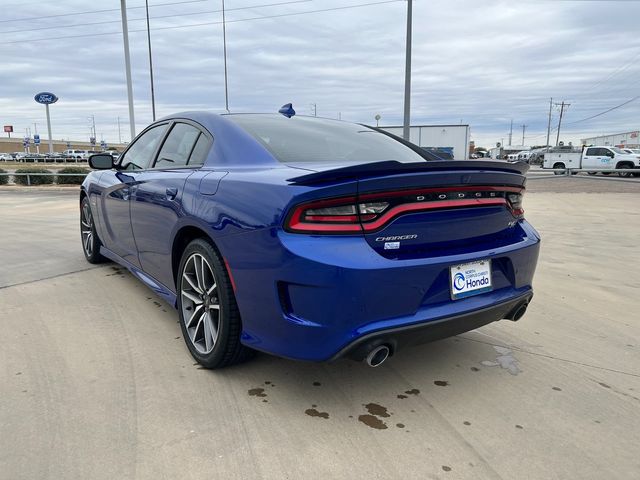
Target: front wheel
pixel 592 173
pixel 90 242
pixel 209 316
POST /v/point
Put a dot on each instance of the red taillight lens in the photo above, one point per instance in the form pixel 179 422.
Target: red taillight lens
pixel 515 204
pixel 334 216
pixel 375 210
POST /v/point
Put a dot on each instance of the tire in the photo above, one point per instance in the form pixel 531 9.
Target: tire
pixel 209 316
pixel 625 174
pixel 592 173
pixel 607 173
pixel 558 165
pixel 89 237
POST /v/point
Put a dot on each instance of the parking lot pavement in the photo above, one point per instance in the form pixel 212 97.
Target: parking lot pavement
pixel 96 381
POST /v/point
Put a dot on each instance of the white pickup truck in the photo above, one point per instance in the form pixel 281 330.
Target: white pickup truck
pixel 598 158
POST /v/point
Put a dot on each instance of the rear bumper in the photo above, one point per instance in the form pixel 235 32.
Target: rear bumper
pixel 420 333
pixel 320 297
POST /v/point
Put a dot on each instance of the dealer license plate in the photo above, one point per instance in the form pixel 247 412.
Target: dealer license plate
pixel 470 279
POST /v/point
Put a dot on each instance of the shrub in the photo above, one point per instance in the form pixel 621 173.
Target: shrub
pixel 3 178
pixel 75 180
pixel 22 179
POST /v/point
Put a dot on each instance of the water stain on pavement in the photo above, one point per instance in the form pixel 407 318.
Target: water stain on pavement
pixel 400 425
pixel 316 384
pixel 312 412
pixel 446 468
pixel 413 391
pixel 475 369
pixel 373 422
pixel 256 392
pixel 378 410
pixel 441 383
pixel 401 397
pixel 557 389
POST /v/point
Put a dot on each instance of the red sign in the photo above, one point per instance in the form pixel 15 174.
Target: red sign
pixel 8 128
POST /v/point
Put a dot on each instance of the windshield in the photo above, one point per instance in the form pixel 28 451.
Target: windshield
pixel 309 139
pixel 617 150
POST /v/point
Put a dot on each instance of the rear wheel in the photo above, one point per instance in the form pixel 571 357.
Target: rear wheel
pixel 209 316
pixel 592 173
pixel 558 165
pixel 90 242
pixel 625 174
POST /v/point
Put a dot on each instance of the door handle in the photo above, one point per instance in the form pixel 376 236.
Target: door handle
pixel 171 193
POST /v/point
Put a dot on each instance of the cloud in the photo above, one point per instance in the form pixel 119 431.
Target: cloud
pixel 482 63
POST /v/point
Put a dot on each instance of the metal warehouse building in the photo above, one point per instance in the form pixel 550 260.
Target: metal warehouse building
pixel 628 139
pixel 448 138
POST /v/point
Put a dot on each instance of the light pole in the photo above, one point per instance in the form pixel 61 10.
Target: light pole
pixel 153 97
pixel 407 76
pixel 377 117
pixel 224 45
pixel 127 66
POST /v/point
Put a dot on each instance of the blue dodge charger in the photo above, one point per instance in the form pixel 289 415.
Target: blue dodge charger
pixel 310 238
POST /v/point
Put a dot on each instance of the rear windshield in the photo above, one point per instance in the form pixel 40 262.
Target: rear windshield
pixel 309 139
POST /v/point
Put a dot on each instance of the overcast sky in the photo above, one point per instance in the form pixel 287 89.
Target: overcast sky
pixel 477 62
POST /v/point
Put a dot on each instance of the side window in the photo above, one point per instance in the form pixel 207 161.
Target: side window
pixel 178 146
pixel 592 151
pixel 607 152
pixel 200 151
pixel 140 154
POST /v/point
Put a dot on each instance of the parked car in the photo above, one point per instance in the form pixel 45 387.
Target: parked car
pixel 6 157
pixel 309 238
pixel 77 154
pixel 598 158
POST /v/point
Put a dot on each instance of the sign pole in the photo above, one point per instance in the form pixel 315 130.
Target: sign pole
pixel 49 128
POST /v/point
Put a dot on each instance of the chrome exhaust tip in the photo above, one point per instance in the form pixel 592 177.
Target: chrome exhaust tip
pixel 377 356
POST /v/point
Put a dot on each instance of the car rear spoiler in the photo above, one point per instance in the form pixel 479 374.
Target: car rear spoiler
pixel 394 167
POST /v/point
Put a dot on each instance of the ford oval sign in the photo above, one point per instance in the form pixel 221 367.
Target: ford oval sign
pixel 45 98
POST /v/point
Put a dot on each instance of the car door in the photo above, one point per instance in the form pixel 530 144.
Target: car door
pixel 117 186
pixel 591 158
pixel 156 201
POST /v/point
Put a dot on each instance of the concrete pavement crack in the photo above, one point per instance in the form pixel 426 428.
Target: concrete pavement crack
pixel 2 287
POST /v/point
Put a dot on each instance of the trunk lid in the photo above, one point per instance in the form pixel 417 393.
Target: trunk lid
pixel 432 208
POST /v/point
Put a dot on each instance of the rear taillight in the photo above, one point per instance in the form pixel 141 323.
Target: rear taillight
pixel 515 203
pixel 373 211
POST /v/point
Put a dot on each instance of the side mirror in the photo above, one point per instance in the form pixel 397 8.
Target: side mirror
pixel 101 161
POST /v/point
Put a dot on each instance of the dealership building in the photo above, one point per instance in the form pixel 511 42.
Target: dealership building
pixel 453 139
pixel 628 139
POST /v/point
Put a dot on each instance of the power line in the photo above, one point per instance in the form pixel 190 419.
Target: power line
pixel 606 111
pixel 98 11
pixel 106 22
pixel 205 23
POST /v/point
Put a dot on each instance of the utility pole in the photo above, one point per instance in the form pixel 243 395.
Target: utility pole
pixel 562 107
pixel 315 109
pixel 119 135
pixel 510 132
pixel 153 97
pixel 407 76
pixel 523 129
pixel 224 43
pixel 549 123
pixel 127 67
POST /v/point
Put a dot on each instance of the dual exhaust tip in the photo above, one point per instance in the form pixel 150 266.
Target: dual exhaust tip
pixel 379 354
